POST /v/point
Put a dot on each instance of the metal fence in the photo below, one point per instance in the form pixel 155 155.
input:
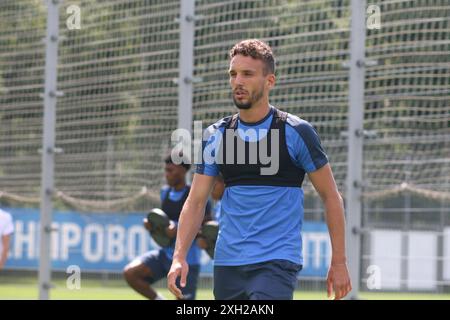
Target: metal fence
pixel 119 76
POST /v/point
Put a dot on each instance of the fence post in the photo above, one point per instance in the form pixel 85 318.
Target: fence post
pixel 186 65
pixel 48 148
pixel 355 141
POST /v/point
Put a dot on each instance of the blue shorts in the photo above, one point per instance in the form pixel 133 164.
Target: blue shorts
pixel 269 280
pixel 159 264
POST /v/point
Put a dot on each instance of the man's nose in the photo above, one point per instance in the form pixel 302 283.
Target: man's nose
pixel 239 80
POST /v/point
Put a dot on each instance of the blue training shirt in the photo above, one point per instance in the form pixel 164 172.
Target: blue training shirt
pixel 194 254
pixel 261 223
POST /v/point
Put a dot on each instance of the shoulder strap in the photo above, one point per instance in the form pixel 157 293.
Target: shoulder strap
pixel 232 124
pixel 282 115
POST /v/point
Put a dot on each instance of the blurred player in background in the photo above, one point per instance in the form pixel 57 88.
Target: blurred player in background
pixel 6 230
pixel 258 251
pixel 154 265
pixel 216 195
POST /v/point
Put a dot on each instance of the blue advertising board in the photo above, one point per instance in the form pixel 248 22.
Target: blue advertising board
pixel 107 242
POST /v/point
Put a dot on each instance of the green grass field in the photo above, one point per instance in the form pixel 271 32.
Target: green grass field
pixel 117 290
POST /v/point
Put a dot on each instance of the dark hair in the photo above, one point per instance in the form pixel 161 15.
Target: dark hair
pixel 184 163
pixel 256 49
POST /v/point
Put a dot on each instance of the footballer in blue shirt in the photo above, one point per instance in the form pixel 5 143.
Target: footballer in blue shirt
pixel 263 155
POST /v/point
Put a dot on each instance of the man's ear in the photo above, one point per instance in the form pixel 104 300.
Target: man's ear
pixel 270 80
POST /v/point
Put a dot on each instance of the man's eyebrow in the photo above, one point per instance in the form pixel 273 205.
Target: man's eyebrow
pixel 245 70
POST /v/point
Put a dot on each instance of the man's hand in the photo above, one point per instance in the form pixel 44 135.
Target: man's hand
pixel 147 224
pixel 171 230
pixel 178 268
pixel 338 280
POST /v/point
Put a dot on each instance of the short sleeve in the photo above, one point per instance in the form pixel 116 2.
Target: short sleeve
pixel 210 144
pixel 304 145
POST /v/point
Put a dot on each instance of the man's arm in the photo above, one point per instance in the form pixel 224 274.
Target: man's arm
pixel 189 223
pixel 5 249
pixel 338 276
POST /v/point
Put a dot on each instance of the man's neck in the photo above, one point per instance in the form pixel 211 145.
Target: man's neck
pixel 255 113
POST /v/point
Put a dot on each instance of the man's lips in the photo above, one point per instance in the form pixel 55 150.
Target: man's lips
pixel 240 93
